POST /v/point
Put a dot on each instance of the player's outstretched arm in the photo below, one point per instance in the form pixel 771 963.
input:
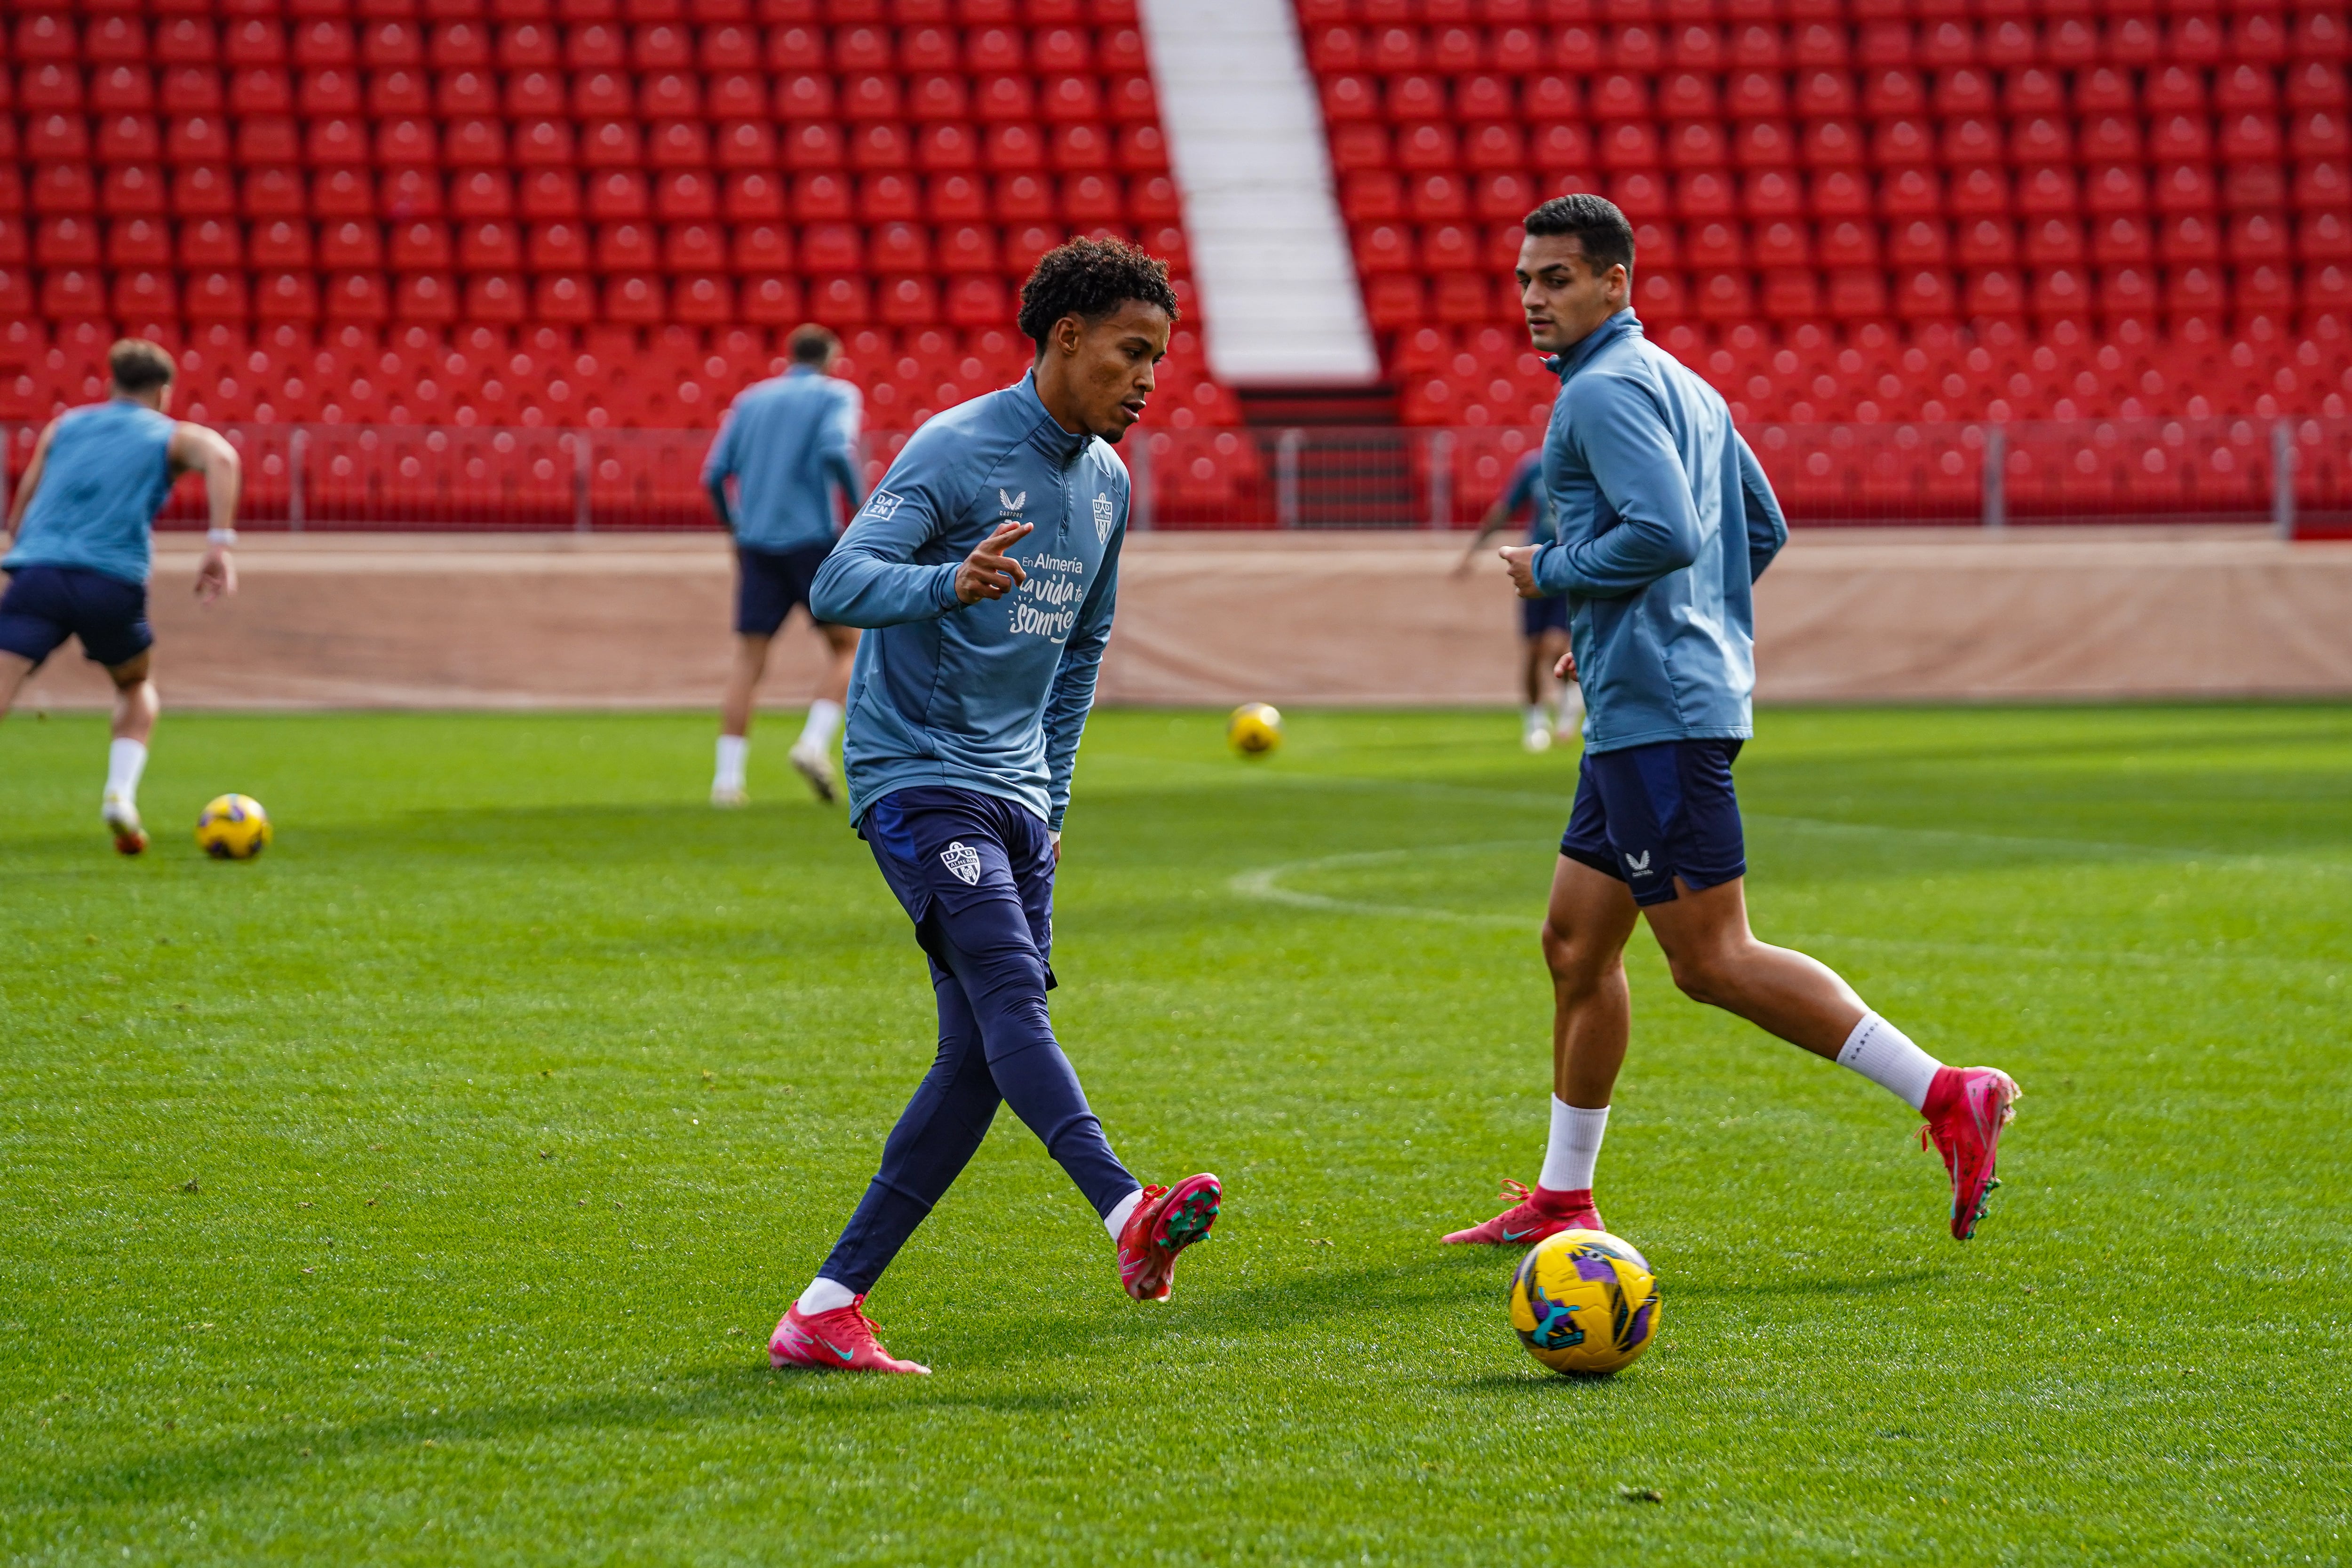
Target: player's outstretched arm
pixel 1767 528
pixel 32 479
pixel 1632 452
pixel 206 452
pixel 1071 696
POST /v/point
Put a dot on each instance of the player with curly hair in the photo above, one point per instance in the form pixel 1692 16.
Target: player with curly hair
pixel 985 568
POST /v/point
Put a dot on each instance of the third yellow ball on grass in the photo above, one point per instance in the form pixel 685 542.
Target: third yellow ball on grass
pixel 233 827
pixel 1255 728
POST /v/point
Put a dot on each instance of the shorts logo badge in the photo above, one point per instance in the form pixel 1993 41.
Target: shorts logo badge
pixel 1014 502
pixel 880 505
pixel 964 861
pixel 1102 519
pixel 1638 864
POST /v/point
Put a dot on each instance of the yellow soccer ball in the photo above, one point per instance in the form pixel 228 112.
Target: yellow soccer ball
pixel 233 827
pixel 1584 1301
pixel 1255 730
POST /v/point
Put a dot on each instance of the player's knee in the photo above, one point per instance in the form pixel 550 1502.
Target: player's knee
pixel 1576 960
pixel 1704 974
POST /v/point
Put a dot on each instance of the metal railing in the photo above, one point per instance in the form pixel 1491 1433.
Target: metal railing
pixel 2295 474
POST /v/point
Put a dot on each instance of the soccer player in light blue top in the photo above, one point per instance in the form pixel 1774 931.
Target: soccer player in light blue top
pixel 985 568
pixel 80 564
pixel 1665 522
pixel 1543 622
pixel 789 445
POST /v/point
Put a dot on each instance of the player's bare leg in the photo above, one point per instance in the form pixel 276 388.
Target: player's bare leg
pixel 812 755
pixel 1586 925
pixel 15 670
pixel 1716 959
pixel 136 705
pixel 735 718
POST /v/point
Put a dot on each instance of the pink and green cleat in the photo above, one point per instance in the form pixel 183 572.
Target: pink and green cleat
pixel 839 1341
pixel 1535 1216
pixel 1967 1109
pixel 1165 1223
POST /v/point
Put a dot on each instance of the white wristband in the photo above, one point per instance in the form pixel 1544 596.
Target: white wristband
pixel 220 536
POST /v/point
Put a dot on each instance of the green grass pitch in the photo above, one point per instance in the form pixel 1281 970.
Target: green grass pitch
pixel 424 1191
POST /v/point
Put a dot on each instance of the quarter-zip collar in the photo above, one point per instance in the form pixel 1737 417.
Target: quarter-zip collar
pixel 1047 432
pixel 1566 365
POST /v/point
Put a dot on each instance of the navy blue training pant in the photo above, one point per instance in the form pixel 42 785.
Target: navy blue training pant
pixel 976 876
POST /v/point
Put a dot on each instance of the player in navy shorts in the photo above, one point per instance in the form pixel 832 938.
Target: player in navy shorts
pixel 1665 520
pixel 1543 620
pixel 789 445
pixel 81 557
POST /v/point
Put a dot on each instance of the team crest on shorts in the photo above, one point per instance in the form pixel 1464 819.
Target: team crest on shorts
pixel 1102 519
pixel 964 861
pixel 880 505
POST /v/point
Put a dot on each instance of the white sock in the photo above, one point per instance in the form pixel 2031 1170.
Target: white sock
pixel 824 719
pixel 1536 718
pixel 1575 1147
pixel 1885 1056
pixel 1116 1221
pixel 125 761
pixel 825 1296
pixel 733 752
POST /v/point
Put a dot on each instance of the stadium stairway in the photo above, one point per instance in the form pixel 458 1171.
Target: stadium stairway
pixel 1245 134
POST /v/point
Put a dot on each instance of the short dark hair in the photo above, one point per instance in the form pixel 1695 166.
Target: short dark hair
pixel 1089 278
pixel 138 365
pixel 1599 227
pixel 812 344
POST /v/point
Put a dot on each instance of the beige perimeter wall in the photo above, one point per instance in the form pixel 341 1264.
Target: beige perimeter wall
pixel 428 621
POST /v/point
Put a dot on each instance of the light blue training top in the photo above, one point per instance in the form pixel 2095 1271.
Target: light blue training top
pixel 1647 478
pixel 989 697
pixel 107 468
pixel 1526 493
pixel 788 443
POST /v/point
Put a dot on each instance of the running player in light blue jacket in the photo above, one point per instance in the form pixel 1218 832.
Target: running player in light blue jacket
pixel 985 568
pixel 80 561
pixel 1665 521
pixel 789 443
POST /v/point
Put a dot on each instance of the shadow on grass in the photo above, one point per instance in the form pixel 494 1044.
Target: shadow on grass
pixel 1866 1286
pixel 715 1395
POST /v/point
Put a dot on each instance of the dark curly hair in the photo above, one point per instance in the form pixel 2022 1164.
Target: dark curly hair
pixel 1090 278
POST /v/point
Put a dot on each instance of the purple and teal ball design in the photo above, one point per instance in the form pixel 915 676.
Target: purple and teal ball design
pixel 233 827
pixel 1584 1301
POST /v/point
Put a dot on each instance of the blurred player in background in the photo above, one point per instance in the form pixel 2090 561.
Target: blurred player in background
pixel 788 444
pixel 987 565
pixel 1543 622
pixel 1665 520
pixel 82 523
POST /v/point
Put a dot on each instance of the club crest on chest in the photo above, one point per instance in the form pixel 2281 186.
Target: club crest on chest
pixel 1104 515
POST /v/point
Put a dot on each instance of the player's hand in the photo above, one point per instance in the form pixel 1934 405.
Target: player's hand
pixel 1520 560
pixel 215 576
pixel 1565 668
pixel 1055 839
pixel 988 573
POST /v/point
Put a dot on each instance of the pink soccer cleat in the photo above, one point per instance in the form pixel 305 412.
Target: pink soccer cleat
pixel 839 1341
pixel 1165 1223
pixel 1530 1219
pixel 1966 1109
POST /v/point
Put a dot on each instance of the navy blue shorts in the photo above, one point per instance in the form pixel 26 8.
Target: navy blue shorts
pixel 944 851
pixel 46 605
pixel 1649 814
pixel 1537 616
pixel 769 582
